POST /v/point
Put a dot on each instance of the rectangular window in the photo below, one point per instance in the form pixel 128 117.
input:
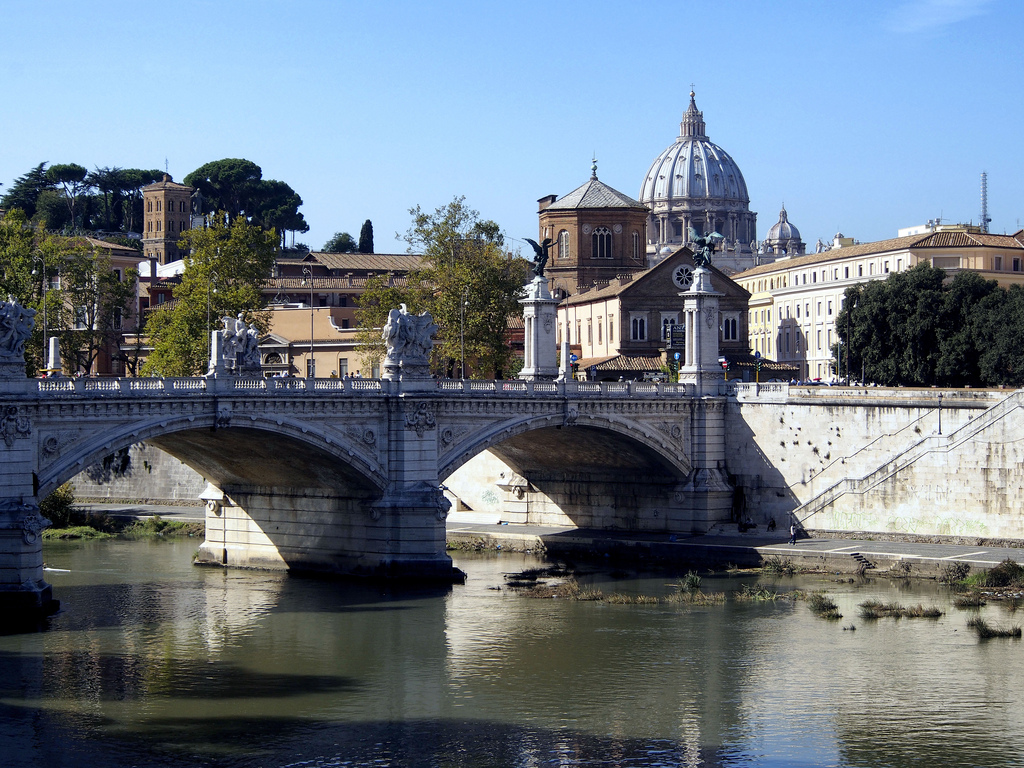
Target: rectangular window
pixel 787 342
pixel 579 331
pixel 158 204
pixel 860 270
pixel 590 332
pixel 899 264
pixel 1016 265
pixel 343 367
pixel 997 263
pixel 871 269
pixel 344 322
pixel 600 322
pixel 158 226
pixel 797 311
pixel 819 339
pixel 118 319
pixel 886 267
pixel 611 329
pixel 830 307
pixel 846 273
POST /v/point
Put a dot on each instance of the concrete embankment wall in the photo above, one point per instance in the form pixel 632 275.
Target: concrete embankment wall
pixel 820 444
pixel 149 476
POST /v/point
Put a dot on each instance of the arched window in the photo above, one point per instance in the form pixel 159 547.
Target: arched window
pixel 636 246
pixel 563 244
pixel 602 243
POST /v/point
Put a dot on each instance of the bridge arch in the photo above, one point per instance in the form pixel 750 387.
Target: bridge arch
pixel 599 471
pixel 257 452
pixel 549 436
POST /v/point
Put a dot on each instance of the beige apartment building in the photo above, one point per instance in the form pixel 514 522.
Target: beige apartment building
pixel 794 302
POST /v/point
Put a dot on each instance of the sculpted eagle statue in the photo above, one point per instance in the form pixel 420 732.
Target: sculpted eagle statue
pixel 541 258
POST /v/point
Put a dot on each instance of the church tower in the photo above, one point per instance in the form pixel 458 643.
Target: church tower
pixel 167 212
pixel 596 235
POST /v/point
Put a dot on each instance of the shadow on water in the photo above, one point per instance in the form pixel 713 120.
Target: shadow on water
pixel 82 675
pixel 247 742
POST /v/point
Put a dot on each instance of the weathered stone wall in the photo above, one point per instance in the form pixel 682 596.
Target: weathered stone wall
pixel 788 453
pixel 151 476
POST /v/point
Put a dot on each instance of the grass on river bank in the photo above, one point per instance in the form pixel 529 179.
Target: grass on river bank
pixel 69 522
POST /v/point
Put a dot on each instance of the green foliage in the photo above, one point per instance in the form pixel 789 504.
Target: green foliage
pixel 237 187
pixel 366 237
pixel 71 178
pixel 469 283
pixel 30 258
pixel 824 606
pixel 92 305
pixel 25 190
pixel 916 329
pixel 228 265
pixel 59 506
pixel 342 242
pixel 1008 573
pixel 986 630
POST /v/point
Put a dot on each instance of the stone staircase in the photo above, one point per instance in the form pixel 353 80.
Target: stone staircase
pixel 910 455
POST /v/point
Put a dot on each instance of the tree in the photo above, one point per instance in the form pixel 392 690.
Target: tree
pixel 469 284
pixel 237 187
pixel 94 304
pixel 132 182
pixel 109 182
pixel 226 185
pixel 227 267
pixel 72 179
pixel 342 242
pixel 366 237
pixel 275 205
pixel 25 190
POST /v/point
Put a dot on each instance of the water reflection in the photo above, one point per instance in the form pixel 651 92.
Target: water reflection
pixel 155 662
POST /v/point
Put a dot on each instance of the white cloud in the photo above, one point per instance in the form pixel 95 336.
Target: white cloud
pixel 914 16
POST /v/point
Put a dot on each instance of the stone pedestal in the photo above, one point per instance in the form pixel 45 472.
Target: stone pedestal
pixel 701 320
pixel 539 334
pixel 53 363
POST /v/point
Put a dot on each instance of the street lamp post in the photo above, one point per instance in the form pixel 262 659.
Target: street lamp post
pixel 42 271
pixel 940 413
pixel 311 368
pixel 462 329
pixel 209 329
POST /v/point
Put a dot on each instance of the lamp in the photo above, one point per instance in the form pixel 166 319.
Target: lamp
pixel 311 368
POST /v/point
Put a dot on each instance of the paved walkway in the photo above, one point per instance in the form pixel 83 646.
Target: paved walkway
pixel 843 553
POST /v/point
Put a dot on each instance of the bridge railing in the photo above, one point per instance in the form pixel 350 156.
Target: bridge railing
pixel 562 388
pixel 748 390
pixel 259 386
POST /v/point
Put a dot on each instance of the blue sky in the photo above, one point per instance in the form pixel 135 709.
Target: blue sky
pixel 860 116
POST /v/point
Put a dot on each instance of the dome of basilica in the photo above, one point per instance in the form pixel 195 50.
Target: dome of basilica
pixel 696 184
pixel 694 167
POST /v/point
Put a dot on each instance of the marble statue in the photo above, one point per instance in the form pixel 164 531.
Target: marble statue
pixel 16 324
pixel 408 336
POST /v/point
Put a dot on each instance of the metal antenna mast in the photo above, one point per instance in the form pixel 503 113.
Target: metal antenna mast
pixel 984 202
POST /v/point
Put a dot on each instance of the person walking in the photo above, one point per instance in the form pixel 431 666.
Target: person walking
pixel 792 533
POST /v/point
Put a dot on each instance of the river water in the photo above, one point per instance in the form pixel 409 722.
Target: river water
pixel 155 662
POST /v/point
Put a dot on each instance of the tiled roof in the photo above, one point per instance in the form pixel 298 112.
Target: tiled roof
pixel 595 194
pixel 948 239
pixel 861 249
pixel 967 240
pixel 633 363
pixel 323 283
pixel 372 262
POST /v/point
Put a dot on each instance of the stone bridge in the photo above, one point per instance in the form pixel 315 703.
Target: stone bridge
pixel 345 475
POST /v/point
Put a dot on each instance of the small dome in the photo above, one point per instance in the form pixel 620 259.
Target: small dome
pixel 783 230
